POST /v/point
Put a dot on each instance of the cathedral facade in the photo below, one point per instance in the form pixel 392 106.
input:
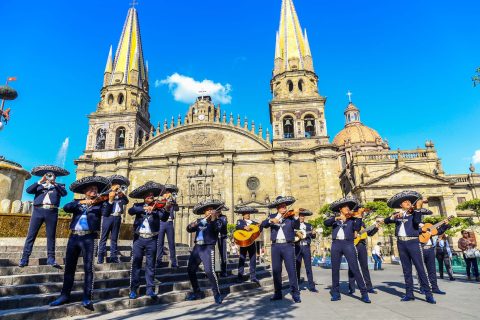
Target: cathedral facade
pixel 211 154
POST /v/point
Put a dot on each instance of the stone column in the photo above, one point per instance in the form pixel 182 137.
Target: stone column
pixel 328 184
pixel 228 184
pixel 173 166
pixel 12 180
pixel 448 204
pixel 282 174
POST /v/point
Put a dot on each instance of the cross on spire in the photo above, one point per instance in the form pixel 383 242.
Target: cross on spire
pixel 134 3
pixel 349 94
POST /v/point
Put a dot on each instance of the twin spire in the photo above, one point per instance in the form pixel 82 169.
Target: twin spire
pixel 292 50
pixel 128 67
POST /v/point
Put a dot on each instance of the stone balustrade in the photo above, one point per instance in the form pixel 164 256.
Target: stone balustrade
pixel 380 156
pixel 16 206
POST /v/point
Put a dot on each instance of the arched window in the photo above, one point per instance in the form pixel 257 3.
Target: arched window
pixel 120 98
pixel 110 99
pixel 290 85
pixel 120 138
pixel 309 124
pixel 101 139
pixel 300 85
pixel 140 137
pixel 200 188
pixel 288 127
pixel 207 189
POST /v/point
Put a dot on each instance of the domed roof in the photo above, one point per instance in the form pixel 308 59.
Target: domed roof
pixel 356 133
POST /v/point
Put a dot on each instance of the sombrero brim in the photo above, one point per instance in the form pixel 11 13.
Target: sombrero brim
pixel 283 200
pixel 118 179
pixel 171 188
pixel 350 202
pixel 199 208
pixel 305 213
pixel 80 185
pixel 40 171
pixel 245 210
pixel 142 191
pixel 397 199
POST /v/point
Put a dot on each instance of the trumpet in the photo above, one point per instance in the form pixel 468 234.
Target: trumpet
pixel 121 189
pixel 50 176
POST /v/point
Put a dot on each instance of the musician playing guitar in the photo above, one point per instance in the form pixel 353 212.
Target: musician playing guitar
pixel 362 254
pixel 251 250
pixel 303 251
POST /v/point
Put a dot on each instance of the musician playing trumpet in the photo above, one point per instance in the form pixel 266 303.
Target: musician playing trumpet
pixel 303 251
pixel 407 229
pixel 245 224
pixel 206 235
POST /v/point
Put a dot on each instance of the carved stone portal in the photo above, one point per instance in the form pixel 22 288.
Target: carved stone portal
pixel 201 141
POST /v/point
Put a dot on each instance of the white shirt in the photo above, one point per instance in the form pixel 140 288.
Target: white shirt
pixel 376 250
pixel 341 234
pixel 248 222
pixel 117 208
pixel 46 200
pixel 401 231
pixel 82 223
pixel 145 227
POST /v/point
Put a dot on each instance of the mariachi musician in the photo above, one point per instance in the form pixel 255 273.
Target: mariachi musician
pixel 303 250
pixel 146 226
pixel 45 209
pixel 283 224
pixel 344 227
pixel 112 221
pixel 206 231
pixel 85 225
pixel 167 227
pixel 407 229
pixel 362 254
pixel 222 242
pixel 251 250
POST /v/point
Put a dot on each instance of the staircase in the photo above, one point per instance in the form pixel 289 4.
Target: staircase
pixel 26 292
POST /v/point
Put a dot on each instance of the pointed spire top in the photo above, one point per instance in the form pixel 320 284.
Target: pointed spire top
pixel 291 41
pixel 307 44
pixel 109 65
pixel 278 53
pixel 129 54
pixel 133 4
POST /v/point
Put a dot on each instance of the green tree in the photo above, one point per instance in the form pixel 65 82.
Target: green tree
pixel 62 213
pixel 379 209
pixel 473 205
pixel 230 229
pixel 323 213
pixel 476 78
pixel 457 224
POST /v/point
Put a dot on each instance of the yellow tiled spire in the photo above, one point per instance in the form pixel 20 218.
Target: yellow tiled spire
pixel 109 65
pixel 129 55
pixel 292 45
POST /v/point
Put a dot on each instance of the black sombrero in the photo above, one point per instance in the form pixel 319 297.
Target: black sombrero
pixel 245 209
pixel 40 171
pixel 149 187
pixel 397 199
pixel 171 187
pixel 118 179
pixel 305 212
pixel 200 207
pixel 80 185
pixel 351 202
pixel 288 200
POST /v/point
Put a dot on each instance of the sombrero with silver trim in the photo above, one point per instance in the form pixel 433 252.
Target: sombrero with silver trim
pixel 171 187
pixel 200 207
pixel 349 201
pixel 149 187
pixel 40 171
pixel 397 199
pixel 118 179
pixel 80 185
pixel 305 212
pixel 288 200
pixel 245 209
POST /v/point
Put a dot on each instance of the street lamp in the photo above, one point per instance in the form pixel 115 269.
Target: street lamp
pixel 6 93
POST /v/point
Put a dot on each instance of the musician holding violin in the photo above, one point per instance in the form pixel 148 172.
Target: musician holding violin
pixel 85 224
pixel 302 248
pixel 407 230
pixel 345 224
pixel 246 224
pixel 206 231
pixel 283 224
pixel 146 226
pixel 361 248
pixel 167 228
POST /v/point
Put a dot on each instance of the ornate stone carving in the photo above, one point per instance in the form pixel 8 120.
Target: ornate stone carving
pixel 253 183
pixel 201 141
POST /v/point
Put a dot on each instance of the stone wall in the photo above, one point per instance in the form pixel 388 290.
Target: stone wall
pixel 12 179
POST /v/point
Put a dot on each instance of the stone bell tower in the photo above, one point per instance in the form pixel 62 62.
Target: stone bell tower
pixel 297 109
pixel 122 119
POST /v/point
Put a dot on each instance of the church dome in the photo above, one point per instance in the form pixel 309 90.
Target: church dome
pixel 356 133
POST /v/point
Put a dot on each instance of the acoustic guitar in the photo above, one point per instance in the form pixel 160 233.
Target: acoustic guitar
pixel 429 230
pixel 363 234
pixel 244 238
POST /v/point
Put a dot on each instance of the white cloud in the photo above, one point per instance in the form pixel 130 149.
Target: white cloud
pixel 476 157
pixel 186 89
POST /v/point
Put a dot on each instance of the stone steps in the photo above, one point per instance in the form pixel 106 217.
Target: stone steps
pixel 26 292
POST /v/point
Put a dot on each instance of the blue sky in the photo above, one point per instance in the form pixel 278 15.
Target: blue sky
pixel 408 64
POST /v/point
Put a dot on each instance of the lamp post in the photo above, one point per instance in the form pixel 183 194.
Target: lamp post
pixel 6 93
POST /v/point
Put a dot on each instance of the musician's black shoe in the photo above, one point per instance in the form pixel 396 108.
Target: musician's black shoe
pixel 23 263
pixel 430 300
pixel 100 261
pixel 336 297
pixel 53 263
pixel 452 279
pixel 297 299
pixel 255 281
pixel 276 297
pixel 151 294
pixel 59 301
pixel 218 298
pixel 313 289
pixel 191 296
pixel 372 291
pixel 365 298
pixel 351 291
pixel 133 295
pixel 438 291
pixel 407 298
pixel 114 260
pixel 88 304
pixel 422 291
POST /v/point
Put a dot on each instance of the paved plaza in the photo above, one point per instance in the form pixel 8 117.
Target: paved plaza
pixel 461 302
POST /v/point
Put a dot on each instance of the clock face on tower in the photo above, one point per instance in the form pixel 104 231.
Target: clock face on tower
pixel 201 117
